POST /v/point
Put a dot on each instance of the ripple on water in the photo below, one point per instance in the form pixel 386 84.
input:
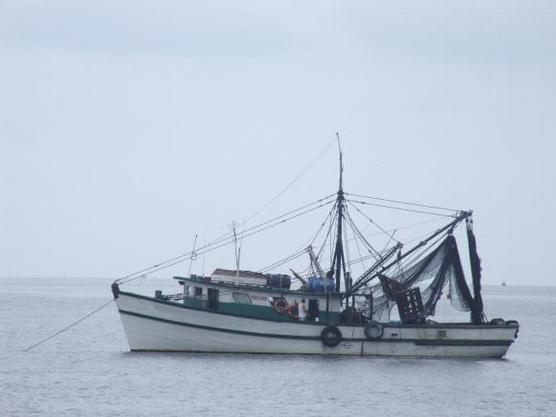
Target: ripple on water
pixel 87 371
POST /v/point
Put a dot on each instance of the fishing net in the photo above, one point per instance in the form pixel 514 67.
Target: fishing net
pixel 431 274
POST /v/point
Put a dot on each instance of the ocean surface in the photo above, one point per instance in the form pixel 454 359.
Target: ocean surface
pixel 88 370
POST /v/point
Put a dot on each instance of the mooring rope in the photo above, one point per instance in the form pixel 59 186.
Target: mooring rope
pixel 69 327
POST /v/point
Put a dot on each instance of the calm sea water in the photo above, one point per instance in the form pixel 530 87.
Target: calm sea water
pixel 87 371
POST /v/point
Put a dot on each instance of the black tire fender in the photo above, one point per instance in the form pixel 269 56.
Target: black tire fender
pixel 374 330
pixel 513 323
pixel 331 336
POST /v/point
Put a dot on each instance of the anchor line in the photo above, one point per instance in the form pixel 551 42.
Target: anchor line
pixel 69 327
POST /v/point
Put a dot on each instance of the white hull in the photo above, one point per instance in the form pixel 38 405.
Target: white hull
pixel 154 325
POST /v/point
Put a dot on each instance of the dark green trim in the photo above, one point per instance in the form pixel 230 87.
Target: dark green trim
pixel 442 326
pixel 418 342
pixel 218 329
pixel 255 311
pixel 448 342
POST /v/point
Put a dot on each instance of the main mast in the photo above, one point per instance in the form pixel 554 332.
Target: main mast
pixel 339 262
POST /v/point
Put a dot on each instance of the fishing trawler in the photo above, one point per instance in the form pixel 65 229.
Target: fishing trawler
pixel 328 308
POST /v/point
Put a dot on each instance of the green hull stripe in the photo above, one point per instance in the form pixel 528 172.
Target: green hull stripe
pixel 218 329
pixel 448 342
pixel 418 342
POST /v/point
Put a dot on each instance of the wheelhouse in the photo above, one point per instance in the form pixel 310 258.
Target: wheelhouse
pixel 259 301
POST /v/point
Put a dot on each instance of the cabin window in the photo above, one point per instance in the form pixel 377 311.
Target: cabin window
pixel 313 312
pixel 241 298
pixel 212 299
pixel 198 291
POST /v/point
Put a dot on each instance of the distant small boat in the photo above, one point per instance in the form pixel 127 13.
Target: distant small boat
pixel 504 284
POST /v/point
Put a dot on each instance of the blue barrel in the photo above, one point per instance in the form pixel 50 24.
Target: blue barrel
pixel 317 284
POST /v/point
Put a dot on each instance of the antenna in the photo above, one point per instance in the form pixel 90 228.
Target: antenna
pixel 193 256
pixel 341 186
pixel 236 251
pixel 204 253
pixel 239 248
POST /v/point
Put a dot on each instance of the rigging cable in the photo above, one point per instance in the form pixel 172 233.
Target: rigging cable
pixel 282 261
pixel 360 259
pixel 408 226
pixel 413 259
pixel 417 256
pixel 423 247
pixel 401 208
pixel 369 256
pixel 391 236
pixel 226 235
pixel 365 257
pixel 69 327
pixel 347 251
pixel 332 223
pixel 409 263
pixel 356 230
pixel 332 244
pixel 224 242
pixel 227 239
pixel 303 249
pixel 389 240
pixel 407 203
pixel 329 216
pixel 291 183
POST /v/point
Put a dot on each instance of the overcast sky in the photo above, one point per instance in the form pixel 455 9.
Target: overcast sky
pixel 126 127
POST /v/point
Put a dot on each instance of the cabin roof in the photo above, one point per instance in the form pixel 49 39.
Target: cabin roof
pixel 232 273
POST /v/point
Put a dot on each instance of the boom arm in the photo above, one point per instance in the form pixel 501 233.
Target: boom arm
pixel 372 273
